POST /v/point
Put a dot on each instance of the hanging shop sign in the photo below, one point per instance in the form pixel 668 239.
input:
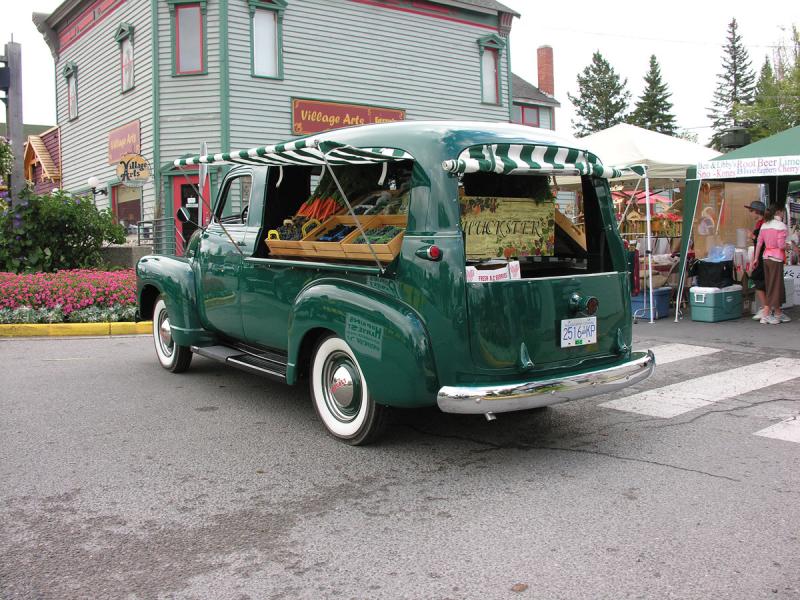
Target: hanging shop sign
pixel 124 140
pixel 133 170
pixel 314 116
pixel 749 167
pixel 507 227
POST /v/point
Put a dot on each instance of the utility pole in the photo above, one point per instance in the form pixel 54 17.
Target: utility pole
pixel 11 83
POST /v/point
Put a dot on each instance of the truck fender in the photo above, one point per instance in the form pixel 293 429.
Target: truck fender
pixel 173 279
pixel 388 338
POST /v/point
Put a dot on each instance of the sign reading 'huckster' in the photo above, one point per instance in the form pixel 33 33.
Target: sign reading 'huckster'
pixel 506 227
pixel 133 170
pixel 314 116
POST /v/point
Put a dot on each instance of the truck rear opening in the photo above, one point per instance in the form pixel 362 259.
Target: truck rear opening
pixel 544 287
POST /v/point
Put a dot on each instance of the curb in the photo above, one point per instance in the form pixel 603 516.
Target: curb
pixel 75 329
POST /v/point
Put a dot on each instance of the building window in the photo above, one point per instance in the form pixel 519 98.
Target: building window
pixel 545 117
pixel 124 36
pixel 534 116
pixel 70 73
pixel 490 47
pixel 188 37
pixel 266 24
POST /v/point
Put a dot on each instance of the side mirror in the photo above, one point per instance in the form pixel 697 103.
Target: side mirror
pixel 184 216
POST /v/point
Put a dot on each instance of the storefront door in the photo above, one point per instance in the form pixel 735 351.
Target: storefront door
pixel 184 194
pixel 126 206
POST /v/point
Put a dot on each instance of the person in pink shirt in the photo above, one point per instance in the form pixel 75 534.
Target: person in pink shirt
pixel 772 238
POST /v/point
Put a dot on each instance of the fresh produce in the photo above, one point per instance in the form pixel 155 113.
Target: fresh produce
pixel 380 235
pixel 292 229
pixel 337 234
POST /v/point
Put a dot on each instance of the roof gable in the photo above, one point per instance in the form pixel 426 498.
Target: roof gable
pixel 525 92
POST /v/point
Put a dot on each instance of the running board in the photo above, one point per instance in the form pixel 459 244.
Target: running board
pixel 271 365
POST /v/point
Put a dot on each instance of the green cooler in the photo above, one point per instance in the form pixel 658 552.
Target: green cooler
pixel 716 304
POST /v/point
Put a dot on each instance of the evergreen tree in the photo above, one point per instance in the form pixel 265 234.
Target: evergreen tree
pixel 653 109
pixel 602 99
pixel 764 116
pixel 736 86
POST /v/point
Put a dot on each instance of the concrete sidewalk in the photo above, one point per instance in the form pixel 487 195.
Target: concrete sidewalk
pixel 741 333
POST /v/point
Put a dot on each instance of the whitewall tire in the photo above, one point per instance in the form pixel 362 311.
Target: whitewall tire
pixel 172 357
pixel 340 394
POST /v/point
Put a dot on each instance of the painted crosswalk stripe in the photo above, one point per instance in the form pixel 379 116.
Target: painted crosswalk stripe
pixel 788 430
pixel 673 400
pixel 674 352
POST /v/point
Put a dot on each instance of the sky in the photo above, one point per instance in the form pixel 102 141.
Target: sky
pixel 686 37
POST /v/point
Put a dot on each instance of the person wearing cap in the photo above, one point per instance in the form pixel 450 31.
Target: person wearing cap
pixel 757 209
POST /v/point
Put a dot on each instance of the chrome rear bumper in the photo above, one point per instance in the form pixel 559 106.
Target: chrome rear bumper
pixel 533 394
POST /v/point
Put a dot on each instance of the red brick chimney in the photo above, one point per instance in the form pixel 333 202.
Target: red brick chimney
pixel 544 59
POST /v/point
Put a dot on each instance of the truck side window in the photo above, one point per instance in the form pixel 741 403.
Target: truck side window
pixel 235 200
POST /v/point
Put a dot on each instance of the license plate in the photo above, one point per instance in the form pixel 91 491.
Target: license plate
pixel 578 332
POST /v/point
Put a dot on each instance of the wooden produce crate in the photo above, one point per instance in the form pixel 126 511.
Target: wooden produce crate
pixel 333 249
pixel 385 252
pixel 294 248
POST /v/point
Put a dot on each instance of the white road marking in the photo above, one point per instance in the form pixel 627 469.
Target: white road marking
pixel 673 400
pixel 788 430
pixel 674 352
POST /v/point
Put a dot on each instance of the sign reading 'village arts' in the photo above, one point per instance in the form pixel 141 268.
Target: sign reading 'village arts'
pixel 507 227
pixel 133 170
pixel 749 167
pixel 124 140
pixel 314 116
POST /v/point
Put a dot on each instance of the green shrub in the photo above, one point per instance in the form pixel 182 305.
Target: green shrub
pixel 55 231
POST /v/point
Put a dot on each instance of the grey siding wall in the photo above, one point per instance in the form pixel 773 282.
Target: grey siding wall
pixel 189 105
pixel 351 52
pixel 101 104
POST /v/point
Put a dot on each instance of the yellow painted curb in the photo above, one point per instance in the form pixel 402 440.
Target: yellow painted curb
pixel 75 329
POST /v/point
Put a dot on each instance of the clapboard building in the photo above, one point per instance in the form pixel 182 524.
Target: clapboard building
pixel 161 77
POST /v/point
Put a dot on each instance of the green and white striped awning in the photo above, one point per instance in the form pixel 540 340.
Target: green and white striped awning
pixel 510 159
pixel 300 152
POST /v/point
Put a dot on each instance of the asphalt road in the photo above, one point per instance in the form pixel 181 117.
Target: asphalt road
pixel 120 480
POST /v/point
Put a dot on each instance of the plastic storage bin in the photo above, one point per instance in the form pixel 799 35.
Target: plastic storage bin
pixel 661 297
pixel 715 304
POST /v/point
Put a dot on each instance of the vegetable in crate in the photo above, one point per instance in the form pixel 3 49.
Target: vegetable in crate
pixel 380 235
pixel 292 229
pixel 337 234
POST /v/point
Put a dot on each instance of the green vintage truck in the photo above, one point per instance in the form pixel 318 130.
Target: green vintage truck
pixel 404 265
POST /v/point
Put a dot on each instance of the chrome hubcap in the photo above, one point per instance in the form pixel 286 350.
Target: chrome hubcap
pixel 165 334
pixel 341 386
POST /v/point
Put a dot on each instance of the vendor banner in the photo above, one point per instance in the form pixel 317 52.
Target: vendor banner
pixel 749 167
pixel 507 227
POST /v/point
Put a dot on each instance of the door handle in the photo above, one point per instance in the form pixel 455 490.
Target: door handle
pixel 241 243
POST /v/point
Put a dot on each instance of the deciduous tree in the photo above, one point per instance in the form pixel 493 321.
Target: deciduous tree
pixel 777 97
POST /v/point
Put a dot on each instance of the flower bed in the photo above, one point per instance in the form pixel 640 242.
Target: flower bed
pixel 75 296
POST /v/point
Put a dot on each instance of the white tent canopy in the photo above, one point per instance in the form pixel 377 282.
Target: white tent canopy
pixel 666 157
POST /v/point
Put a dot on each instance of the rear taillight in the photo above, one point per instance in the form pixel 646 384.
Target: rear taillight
pixel 585 306
pixel 431 252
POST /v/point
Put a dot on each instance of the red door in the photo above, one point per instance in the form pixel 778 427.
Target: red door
pixel 184 194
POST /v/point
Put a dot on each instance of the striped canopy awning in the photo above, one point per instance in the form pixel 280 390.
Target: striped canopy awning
pixel 510 159
pixel 300 152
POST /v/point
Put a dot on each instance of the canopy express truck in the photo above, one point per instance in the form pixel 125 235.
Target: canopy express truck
pixel 404 265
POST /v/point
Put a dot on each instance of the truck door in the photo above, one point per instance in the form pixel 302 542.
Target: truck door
pixel 222 246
